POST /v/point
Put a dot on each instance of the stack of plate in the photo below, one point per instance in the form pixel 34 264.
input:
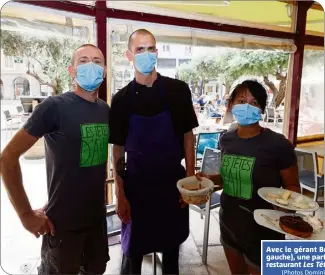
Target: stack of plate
pixel 295 202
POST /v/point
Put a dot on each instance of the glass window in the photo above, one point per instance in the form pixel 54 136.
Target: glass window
pixel 44 42
pixel 311 110
pixel 216 62
pixel 166 63
pixel 257 14
pixel 21 85
pixel 183 61
pixel 315 22
pixel 9 62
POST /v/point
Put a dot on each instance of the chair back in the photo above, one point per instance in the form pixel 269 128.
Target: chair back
pixel 20 109
pixel 210 140
pixel 211 161
pixel 7 115
pixel 304 157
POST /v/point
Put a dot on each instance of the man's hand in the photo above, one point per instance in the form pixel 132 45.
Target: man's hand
pixel 122 204
pixel 37 223
pixel 201 175
pixel 183 203
pixel 123 209
pixel 42 209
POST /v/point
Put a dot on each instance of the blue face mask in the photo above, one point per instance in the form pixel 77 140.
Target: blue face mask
pixel 246 114
pixel 89 76
pixel 145 62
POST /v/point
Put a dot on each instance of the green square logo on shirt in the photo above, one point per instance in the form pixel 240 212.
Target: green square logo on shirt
pixel 237 173
pixel 94 144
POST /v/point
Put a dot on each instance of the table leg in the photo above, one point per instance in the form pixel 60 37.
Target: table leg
pixel 206 232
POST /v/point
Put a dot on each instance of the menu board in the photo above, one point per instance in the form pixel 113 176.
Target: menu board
pixel 211 161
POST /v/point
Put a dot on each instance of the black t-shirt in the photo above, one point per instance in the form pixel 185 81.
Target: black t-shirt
pixel 252 163
pixel 148 101
pixel 76 145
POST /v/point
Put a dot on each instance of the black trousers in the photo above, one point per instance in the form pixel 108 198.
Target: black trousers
pixel 82 251
pixel 133 265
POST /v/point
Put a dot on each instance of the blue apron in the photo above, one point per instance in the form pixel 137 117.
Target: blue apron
pixel 158 223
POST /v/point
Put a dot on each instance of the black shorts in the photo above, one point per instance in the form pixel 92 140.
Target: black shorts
pixel 240 232
pixel 75 252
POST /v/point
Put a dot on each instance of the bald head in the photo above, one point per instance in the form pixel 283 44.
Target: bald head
pixel 88 52
pixel 136 34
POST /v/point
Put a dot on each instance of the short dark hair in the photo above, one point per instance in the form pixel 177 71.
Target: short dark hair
pixel 82 46
pixel 257 90
pixel 139 31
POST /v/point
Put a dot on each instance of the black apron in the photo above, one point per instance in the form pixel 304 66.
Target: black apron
pixel 153 150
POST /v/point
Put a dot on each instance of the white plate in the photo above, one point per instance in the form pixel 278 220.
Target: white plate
pixel 272 222
pixel 262 192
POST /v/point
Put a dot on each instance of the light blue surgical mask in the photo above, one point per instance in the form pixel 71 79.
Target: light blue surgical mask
pixel 89 76
pixel 246 114
pixel 145 62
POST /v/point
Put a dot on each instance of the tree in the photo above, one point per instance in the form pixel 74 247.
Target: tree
pixel 233 64
pixel 199 72
pixel 47 59
pixel 264 64
pixel 187 73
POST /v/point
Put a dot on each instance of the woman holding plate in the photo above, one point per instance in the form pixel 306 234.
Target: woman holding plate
pixel 252 157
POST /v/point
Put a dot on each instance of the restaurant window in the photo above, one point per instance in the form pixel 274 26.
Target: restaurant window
pixel 46 39
pixel 266 59
pixel 311 109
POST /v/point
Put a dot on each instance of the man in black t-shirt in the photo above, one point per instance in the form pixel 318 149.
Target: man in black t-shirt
pixel 151 120
pixel 75 129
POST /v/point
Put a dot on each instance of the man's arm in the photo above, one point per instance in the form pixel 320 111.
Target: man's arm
pixel 42 121
pixel 118 123
pixel 122 204
pixel 11 171
pixel 118 167
pixel 35 221
pixel 188 123
pixel 189 153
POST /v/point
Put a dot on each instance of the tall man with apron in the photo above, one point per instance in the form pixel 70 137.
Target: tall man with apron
pixel 151 120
